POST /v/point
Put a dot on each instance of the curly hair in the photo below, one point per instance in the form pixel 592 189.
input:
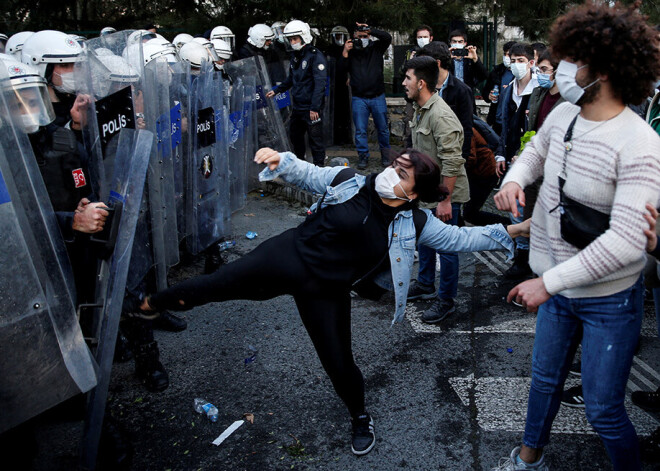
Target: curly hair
pixel 615 41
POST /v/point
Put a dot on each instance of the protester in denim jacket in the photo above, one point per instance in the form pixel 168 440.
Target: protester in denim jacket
pixel 360 228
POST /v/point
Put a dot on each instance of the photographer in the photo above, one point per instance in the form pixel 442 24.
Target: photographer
pixel 363 58
pixel 466 65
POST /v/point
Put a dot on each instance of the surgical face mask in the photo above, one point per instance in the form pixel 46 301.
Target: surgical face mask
pixel 568 87
pixel 68 83
pixel 518 70
pixel 385 183
pixel 506 60
pixel 266 46
pixel 544 80
pixel 421 42
pixel 297 46
pixel 365 42
pixel 457 46
pixel 30 122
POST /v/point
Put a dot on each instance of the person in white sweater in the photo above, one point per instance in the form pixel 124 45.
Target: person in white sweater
pixel 609 159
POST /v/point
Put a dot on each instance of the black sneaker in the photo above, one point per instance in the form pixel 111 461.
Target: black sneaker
pixel 439 310
pixel 170 322
pixel 363 161
pixel 576 369
pixel 420 291
pixel 520 268
pixel 649 401
pixel 572 397
pixel 363 436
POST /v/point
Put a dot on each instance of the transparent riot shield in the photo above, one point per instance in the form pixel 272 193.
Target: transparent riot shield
pixel 329 103
pixel 209 204
pixel 127 94
pixel 43 356
pixel 126 183
pixel 270 128
pixel 180 138
pixel 155 85
pixel 251 100
pixel 234 100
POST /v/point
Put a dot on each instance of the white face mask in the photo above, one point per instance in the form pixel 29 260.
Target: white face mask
pixel 518 70
pixel 385 183
pixel 68 83
pixel 297 46
pixel 568 87
pixel 365 42
pixel 506 60
pixel 421 42
pixel 457 46
pixel 30 123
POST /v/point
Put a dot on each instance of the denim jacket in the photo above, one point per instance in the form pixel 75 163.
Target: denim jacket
pixel 402 237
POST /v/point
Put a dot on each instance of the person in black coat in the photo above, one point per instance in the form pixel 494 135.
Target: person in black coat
pixel 501 77
pixel 466 65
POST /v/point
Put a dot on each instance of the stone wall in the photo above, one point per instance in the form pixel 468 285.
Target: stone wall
pixel 396 109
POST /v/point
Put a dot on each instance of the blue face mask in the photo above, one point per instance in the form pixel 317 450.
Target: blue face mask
pixel 544 80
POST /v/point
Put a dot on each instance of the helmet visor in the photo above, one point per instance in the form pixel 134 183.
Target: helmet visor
pixel 30 104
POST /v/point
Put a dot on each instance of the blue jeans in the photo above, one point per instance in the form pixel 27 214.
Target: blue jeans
pixel 608 328
pixel 378 109
pixel 448 264
pixel 522 243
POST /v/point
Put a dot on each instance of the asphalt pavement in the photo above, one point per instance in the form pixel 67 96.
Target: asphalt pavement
pixel 451 396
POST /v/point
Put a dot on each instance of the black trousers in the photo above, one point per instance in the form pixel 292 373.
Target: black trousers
pixel 272 269
pixel 480 189
pixel 300 125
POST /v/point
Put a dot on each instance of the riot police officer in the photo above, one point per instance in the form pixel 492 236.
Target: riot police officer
pixel 307 79
pixel 54 54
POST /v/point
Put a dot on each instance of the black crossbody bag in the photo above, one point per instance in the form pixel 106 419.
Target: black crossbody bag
pixel 580 224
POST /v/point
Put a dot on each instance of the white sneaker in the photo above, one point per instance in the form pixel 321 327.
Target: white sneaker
pixel 511 463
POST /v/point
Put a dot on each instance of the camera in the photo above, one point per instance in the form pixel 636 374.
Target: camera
pixel 460 52
pixel 357 43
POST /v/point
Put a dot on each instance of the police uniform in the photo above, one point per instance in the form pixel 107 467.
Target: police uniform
pixel 307 80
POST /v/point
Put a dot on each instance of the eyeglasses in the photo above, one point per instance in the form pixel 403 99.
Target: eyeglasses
pixel 546 70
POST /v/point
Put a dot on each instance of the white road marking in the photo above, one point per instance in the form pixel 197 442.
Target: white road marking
pixel 498 262
pixel 648 369
pixel 637 375
pixel 492 267
pixel 501 405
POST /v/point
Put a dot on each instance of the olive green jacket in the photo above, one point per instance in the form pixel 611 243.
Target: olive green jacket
pixel 437 132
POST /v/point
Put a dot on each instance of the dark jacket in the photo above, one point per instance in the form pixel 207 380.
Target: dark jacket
pixel 366 66
pixel 535 100
pixel 276 71
pixel 473 72
pixel 494 78
pixel 514 123
pixel 308 70
pixel 460 99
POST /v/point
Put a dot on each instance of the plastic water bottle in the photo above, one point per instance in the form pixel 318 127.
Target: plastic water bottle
pixel 227 244
pixel 496 93
pixel 202 406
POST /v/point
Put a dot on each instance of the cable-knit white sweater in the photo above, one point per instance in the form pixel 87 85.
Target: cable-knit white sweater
pixel 614 167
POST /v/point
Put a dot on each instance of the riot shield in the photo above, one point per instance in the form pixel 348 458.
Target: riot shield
pixel 208 176
pixel 251 100
pixel 43 356
pixel 125 196
pixel 128 94
pixel 328 105
pixel 180 138
pixel 270 128
pixel 162 205
pixel 234 100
